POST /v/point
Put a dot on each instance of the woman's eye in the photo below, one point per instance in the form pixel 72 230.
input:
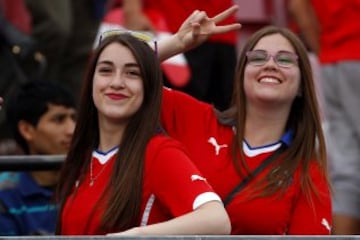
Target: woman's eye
pixel 285 60
pixel 259 58
pixel 133 73
pixel 104 70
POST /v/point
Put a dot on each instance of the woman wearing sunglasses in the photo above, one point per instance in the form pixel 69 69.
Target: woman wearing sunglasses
pixel 265 155
pixel 123 173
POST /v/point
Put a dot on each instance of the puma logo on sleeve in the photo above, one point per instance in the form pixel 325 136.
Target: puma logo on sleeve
pixel 217 146
pixel 195 177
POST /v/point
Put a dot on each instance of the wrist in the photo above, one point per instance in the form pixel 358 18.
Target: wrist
pixel 178 43
pixel 170 46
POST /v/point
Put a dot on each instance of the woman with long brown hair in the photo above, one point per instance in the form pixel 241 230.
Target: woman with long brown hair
pixel 265 155
pixel 123 173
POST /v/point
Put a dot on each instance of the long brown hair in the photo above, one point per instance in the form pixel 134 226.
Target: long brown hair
pixel 308 143
pixel 124 190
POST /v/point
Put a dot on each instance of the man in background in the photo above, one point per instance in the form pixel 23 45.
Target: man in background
pixel 42 118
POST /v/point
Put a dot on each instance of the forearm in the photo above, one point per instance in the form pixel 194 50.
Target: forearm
pixel 305 18
pixel 169 47
pixel 210 218
pixel 194 31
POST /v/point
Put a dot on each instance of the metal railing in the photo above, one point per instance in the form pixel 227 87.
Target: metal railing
pixel 30 162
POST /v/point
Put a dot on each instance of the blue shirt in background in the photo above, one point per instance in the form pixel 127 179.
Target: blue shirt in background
pixel 25 207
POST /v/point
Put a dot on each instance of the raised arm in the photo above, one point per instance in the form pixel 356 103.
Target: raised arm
pixel 194 31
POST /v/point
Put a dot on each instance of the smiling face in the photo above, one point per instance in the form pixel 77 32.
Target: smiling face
pixel 271 83
pixel 118 90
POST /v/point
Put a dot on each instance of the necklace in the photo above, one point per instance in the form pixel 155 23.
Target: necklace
pixel 92 177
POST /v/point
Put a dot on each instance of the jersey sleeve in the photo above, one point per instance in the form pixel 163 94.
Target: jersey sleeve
pixel 313 217
pixel 176 182
pixel 180 109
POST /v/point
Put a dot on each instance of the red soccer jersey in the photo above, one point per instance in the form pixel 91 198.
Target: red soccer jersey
pixel 172 187
pixel 340 26
pixel 195 125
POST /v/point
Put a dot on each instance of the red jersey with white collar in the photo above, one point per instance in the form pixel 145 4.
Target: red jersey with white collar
pixel 195 125
pixel 172 187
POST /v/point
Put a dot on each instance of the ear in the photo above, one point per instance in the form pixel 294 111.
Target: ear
pixel 26 130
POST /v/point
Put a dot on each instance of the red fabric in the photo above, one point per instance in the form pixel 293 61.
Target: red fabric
pixel 167 177
pixel 116 16
pixel 195 125
pixel 15 11
pixel 175 12
pixel 340 26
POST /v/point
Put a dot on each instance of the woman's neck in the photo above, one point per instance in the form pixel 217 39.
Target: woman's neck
pixel 110 134
pixel 265 126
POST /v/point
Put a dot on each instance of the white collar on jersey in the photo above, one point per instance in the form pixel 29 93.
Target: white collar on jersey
pixel 103 157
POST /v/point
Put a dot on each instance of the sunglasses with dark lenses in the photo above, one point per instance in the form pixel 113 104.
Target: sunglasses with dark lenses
pixel 283 59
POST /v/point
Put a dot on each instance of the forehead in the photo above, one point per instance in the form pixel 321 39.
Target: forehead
pixel 116 52
pixel 55 109
pixel 274 43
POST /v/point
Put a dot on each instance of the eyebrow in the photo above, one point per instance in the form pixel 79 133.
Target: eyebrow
pixel 107 62
pixel 132 65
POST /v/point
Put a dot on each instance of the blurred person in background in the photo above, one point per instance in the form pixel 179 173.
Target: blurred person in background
pixel 65 31
pixel 42 118
pixel 332 30
pixel 19 60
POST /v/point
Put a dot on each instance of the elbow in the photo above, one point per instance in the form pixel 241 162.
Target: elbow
pixel 222 227
pixel 224 224
pixel 217 219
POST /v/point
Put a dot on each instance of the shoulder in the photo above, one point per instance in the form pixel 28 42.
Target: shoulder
pixel 319 176
pixel 162 141
pixel 163 148
pixel 9 190
pixel 9 180
pixel 176 99
pixel 316 175
pixel 314 169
